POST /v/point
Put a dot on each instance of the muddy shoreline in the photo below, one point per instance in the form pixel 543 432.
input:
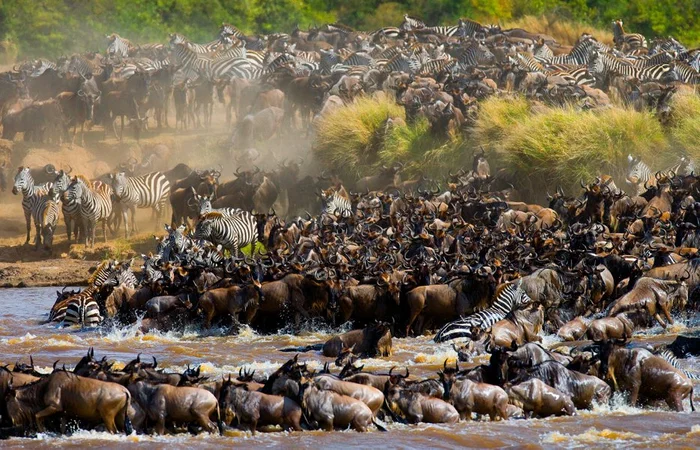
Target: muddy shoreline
pixel 49 272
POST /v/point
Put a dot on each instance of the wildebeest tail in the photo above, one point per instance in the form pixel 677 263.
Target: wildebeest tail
pixel 303 348
pixel 219 422
pixel 378 425
pixel 128 429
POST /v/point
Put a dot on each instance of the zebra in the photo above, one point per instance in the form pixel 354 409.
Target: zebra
pixel 46 219
pixel 119 46
pixel 411 23
pixel 177 39
pixel 71 210
pixel 671 358
pixel 686 73
pixel 83 301
pixel 122 276
pixel 228 30
pixel 579 54
pixel 95 203
pixel 205 207
pixel 32 195
pixel 624 40
pixel 147 191
pixel 639 174
pixel 602 65
pixel 475 54
pixel 231 232
pixel 511 297
pixel 401 63
pixel 390 32
pixel 336 203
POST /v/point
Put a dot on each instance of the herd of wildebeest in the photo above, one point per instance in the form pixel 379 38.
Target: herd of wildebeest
pixel 394 256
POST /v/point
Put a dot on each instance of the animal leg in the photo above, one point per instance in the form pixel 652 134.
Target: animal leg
pixel 667 314
pixel 109 423
pixel 28 219
pixel 657 316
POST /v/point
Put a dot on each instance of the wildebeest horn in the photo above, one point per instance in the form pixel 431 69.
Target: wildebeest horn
pixel 155 363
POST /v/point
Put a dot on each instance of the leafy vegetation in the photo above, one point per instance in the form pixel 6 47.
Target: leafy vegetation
pixel 52 27
pixel 537 146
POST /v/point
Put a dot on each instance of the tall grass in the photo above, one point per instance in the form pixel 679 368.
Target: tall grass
pixel 685 124
pixel 565 31
pixel 349 139
pixel 537 148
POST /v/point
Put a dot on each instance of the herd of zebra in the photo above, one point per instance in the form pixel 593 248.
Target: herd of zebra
pixel 440 72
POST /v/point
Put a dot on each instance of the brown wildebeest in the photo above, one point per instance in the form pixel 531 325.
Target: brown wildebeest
pixel 617 327
pixel 332 409
pixel 646 377
pixel 368 395
pixel 519 327
pixel 230 302
pixel 257 408
pixel 574 329
pixel 416 407
pixel 535 397
pixel 654 297
pixel 583 389
pixel 468 396
pixel 531 354
pixel 64 392
pixel 164 403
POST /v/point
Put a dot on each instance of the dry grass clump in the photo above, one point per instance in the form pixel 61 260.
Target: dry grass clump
pixel 564 145
pixel 349 139
pixel 685 121
pixel 565 31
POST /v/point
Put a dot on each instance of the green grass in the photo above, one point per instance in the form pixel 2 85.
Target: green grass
pixel 538 147
pixel 349 138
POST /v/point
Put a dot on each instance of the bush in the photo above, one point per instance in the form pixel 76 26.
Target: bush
pixel 564 145
pixel 565 31
pixel 349 139
pixel 685 120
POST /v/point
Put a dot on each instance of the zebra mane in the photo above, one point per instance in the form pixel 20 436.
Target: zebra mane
pixel 84 179
pixel 98 271
pixel 212 215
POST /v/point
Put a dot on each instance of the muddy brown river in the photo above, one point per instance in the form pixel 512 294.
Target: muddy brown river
pixel 611 426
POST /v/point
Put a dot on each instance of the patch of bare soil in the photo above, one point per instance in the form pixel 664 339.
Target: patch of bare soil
pixel 48 272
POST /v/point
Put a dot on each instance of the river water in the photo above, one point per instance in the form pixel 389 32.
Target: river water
pixel 22 333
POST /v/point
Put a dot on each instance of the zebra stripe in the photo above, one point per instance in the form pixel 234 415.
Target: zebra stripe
pixel 512 297
pixel 632 40
pixel 411 23
pixel 119 46
pixel 101 274
pixel 46 218
pixel 32 195
pixel 671 358
pixel 95 203
pixel 70 209
pixel 205 208
pixel 640 174
pixel 147 191
pixel 230 232
pixel 122 276
pixel 337 205
pixel 82 309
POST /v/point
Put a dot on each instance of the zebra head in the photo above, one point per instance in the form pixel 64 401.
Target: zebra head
pixel 204 204
pixel 119 183
pixel 178 239
pixel 89 94
pixel 204 229
pixel 520 297
pixel 23 181
pixel 61 182
pixel 637 171
pixel 74 193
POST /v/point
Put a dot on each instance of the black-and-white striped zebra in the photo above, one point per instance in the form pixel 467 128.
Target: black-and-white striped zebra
pixel 671 358
pixel 119 46
pixel 337 204
pixel 411 23
pixel 228 30
pixel 639 174
pixel 70 209
pixel 511 297
pixel 686 73
pixel 122 276
pixel 46 219
pixel 82 308
pixel 32 195
pixel 231 233
pixel 626 40
pixel 94 202
pixel 602 65
pixel 204 202
pixel 176 39
pixel 147 191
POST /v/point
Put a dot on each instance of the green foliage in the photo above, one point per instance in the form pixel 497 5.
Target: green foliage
pixel 52 27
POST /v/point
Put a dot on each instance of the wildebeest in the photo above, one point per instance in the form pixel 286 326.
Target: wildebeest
pixel 416 407
pixel 63 392
pixel 368 395
pixel 646 377
pixel 332 409
pixel 468 396
pixel 257 408
pixel 536 397
pixel 164 404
